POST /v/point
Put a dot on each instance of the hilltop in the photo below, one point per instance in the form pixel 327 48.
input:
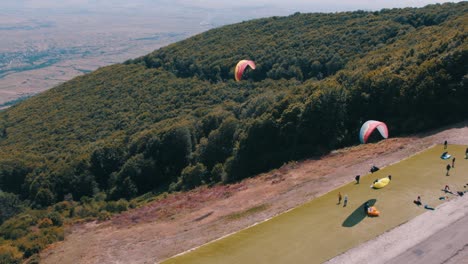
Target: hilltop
pixel 175 119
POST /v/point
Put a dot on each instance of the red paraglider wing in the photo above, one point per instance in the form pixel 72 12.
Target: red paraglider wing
pixel 369 127
pixel 240 67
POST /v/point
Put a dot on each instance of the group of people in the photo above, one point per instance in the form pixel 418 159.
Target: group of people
pixel 460 193
pixel 357 178
pixel 345 201
pixel 450 167
pixel 418 199
pixel 340 197
pixel 446 188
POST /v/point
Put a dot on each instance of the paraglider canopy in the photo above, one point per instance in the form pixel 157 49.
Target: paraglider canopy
pixel 240 67
pixel 369 127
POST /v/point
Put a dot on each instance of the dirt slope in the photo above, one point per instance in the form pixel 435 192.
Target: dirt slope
pixel 185 220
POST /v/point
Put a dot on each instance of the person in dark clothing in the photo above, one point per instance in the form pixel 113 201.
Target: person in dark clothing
pixel 357 178
pixel 374 169
pixel 390 177
pixel 418 201
pixel 445 144
pixel 448 169
pixel 466 153
pixel 453 162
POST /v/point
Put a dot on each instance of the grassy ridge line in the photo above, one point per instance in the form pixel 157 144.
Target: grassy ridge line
pixel 15 101
pixel 310 44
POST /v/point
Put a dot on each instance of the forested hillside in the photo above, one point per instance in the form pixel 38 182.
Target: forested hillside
pixel 176 119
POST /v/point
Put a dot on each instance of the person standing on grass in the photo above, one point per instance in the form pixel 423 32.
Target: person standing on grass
pixel 345 201
pixel 339 197
pixel 357 178
pixel 466 153
pixel 448 169
pixel 445 144
pixel 453 162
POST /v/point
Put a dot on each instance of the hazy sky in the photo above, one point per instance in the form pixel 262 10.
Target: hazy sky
pixel 87 34
pixel 295 5
pixel 213 12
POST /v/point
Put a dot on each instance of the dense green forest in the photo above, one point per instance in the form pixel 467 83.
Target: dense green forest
pixel 176 119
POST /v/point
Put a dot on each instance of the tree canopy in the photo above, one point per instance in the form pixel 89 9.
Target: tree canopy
pixel 176 118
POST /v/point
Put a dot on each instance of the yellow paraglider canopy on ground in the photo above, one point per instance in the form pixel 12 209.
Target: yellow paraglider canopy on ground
pixel 381 183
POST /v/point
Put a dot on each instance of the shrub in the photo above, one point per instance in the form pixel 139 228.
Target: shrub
pixel 34 259
pixel 10 205
pixel 29 246
pixel 56 218
pixel 53 234
pixel 33 243
pixel 176 186
pixel 117 206
pixel 101 196
pixel 85 200
pixel 193 176
pixel 62 206
pixel 122 205
pixel 10 255
pixel 17 227
pixel 44 197
pixel 104 215
pixel 217 173
pixel 14 234
pixel 45 222
pixel 71 213
pixel 85 212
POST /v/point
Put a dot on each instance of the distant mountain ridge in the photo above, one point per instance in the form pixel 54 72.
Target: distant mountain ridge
pixel 175 119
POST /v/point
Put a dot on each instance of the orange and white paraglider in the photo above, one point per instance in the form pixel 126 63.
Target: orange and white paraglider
pixel 369 127
pixel 241 66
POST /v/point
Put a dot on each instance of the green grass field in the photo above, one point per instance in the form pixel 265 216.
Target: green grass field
pixel 321 229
